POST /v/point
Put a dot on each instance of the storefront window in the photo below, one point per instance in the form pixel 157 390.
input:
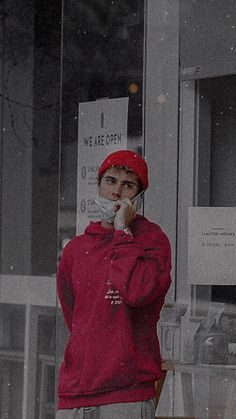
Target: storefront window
pixel 161 75
pixel 102 61
pixel 53 57
pixel 30 37
pixel 199 330
pixel 102 58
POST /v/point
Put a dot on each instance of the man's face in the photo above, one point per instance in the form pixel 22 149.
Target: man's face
pixel 117 184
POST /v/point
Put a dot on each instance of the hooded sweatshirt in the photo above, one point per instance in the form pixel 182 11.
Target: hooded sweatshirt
pixel 112 286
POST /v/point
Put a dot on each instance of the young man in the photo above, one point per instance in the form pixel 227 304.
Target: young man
pixel 112 281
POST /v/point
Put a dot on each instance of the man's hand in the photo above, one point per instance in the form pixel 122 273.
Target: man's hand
pixel 125 213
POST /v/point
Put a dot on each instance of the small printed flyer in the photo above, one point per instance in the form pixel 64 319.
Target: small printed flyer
pixel 212 245
pixel 102 129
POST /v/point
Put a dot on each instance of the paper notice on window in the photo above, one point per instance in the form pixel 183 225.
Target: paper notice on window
pixel 212 246
pixel 102 129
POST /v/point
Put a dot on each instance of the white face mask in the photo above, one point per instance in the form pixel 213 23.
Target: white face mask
pixel 106 209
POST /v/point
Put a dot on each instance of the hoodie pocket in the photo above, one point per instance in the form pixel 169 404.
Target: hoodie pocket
pixel 92 365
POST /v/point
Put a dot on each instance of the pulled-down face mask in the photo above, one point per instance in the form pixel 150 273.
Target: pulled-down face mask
pixel 106 207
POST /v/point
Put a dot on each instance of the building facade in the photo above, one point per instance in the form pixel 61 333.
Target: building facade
pixel 174 64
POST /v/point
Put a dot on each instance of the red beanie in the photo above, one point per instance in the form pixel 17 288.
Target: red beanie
pixel 130 159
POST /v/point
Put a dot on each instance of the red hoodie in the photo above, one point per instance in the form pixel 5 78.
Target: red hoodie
pixel 111 287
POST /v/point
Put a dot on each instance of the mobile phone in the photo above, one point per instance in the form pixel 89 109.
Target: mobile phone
pixel 139 199
pixel 140 195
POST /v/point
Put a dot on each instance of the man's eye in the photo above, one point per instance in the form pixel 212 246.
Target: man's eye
pixel 129 186
pixel 110 181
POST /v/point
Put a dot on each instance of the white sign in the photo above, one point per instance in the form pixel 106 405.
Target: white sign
pixel 212 245
pixel 102 129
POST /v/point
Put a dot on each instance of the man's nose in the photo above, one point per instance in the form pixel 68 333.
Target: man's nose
pixel 117 190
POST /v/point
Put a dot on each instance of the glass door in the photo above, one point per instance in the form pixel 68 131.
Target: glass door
pixel 204 373
pixel 102 59
pixel 102 62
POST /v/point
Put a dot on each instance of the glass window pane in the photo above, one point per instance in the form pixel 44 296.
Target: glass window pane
pixel 102 58
pixel 30 39
pixel 54 56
